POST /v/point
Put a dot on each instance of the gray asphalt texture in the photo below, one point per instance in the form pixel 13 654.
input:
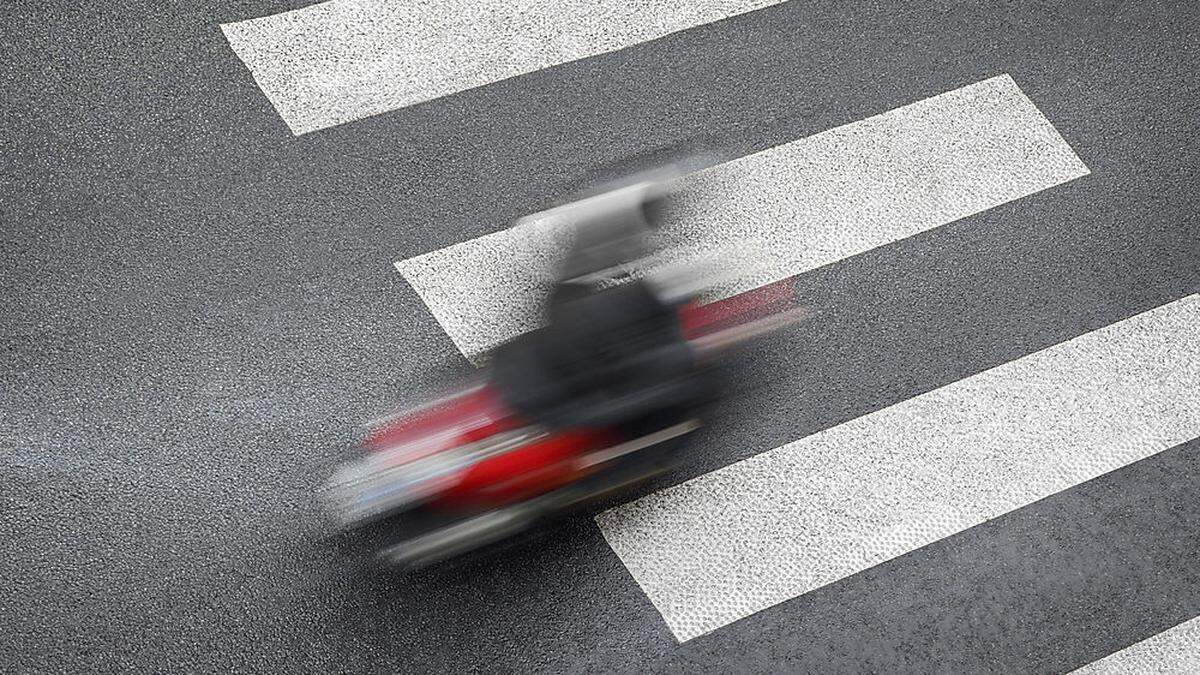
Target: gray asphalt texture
pixel 198 307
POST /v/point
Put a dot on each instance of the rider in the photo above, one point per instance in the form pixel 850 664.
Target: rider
pixel 613 352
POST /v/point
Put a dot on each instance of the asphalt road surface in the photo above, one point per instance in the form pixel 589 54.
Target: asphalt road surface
pixel 199 305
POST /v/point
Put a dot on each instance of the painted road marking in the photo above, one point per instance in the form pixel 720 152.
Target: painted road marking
pixel 766 529
pixel 1175 650
pixel 783 211
pixel 339 61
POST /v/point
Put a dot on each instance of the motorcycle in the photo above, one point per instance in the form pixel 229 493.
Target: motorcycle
pixel 517 446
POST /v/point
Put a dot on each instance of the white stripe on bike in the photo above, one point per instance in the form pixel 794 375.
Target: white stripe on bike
pixel 1175 651
pixel 786 210
pixel 344 60
pixel 766 529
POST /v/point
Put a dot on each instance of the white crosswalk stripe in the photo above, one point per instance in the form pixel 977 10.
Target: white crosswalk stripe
pixel 1175 651
pixel 786 210
pixel 753 534
pixel 344 60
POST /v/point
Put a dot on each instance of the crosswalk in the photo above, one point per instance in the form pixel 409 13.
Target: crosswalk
pixel 723 546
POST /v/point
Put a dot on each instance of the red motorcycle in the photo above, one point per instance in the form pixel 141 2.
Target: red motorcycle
pixel 543 431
